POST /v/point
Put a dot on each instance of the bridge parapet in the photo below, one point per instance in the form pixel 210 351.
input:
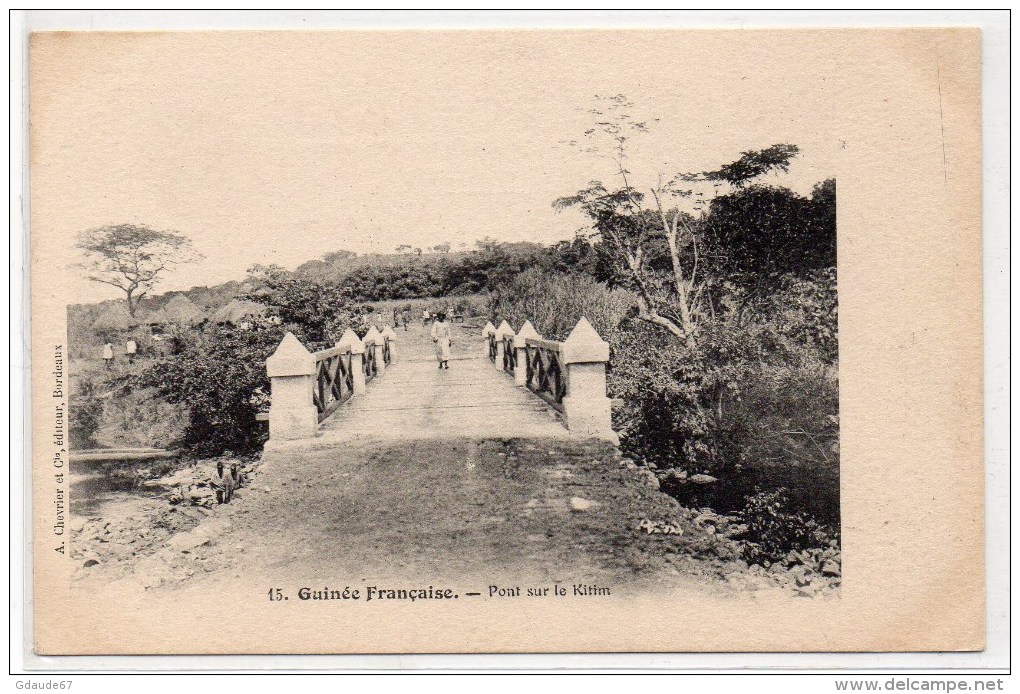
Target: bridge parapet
pixel 489 333
pixel 292 373
pixel 569 375
pixel 375 341
pixel 307 387
pixel 389 346
pixel 500 354
pixel 518 365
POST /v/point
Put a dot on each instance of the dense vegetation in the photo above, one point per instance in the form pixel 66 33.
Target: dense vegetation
pixel 750 395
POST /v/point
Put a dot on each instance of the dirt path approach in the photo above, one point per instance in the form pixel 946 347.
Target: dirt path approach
pixel 467 512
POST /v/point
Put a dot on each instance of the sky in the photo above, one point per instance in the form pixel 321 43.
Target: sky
pixel 278 148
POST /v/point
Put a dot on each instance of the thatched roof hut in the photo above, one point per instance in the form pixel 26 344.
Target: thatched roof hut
pixel 157 318
pixel 181 310
pixel 237 311
pixel 116 317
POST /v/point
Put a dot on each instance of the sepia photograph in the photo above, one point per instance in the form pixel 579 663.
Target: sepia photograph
pixel 384 330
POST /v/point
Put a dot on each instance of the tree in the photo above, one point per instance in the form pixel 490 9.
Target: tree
pixel 337 257
pixel 133 257
pixel 219 375
pixel 441 248
pixel 673 299
pixel 626 226
pixel 758 233
pixel 317 311
pixel 752 164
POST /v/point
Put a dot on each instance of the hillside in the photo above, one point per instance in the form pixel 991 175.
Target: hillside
pixel 369 278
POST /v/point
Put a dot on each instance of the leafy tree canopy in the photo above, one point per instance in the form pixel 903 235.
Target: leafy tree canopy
pixel 133 257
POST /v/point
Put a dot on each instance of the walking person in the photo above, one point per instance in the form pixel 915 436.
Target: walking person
pixel 441 338
pixel 405 316
pixel 131 349
pixel 108 354
pixel 424 317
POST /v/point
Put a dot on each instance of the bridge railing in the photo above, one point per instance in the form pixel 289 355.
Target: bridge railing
pixel 334 379
pixel 491 350
pixel 509 355
pixel 307 387
pixel 569 375
pixel 545 373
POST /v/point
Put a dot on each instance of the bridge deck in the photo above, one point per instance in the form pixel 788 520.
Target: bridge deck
pixel 414 399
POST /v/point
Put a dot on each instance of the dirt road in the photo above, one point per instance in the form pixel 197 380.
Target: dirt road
pixel 456 510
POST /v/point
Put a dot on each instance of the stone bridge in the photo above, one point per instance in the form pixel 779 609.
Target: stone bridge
pixel 500 384
pixel 382 469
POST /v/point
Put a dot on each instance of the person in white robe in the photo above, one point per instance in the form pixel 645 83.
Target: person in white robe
pixel 441 337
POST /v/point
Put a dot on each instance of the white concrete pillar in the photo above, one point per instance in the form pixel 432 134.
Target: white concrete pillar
pixel 391 342
pixel 586 408
pixel 350 340
pixel 503 331
pixel 291 369
pixel 488 330
pixel 374 341
pixel 520 346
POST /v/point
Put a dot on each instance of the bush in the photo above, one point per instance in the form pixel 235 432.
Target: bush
pixel 315 310
pixel 756 404
pixel 86 413
pixel 554 303
pixel 221 378
pixel 774 530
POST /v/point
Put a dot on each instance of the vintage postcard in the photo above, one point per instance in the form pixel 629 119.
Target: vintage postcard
pixel 506 341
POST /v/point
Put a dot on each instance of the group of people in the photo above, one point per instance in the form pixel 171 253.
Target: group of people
pixel 400 317
pixel 226 481
pixel 130 351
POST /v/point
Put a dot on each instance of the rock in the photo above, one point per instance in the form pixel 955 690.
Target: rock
pixel 90 562
pixel 703 479
pixel 800 575
pixel 831 568
pixel 206 533
pixel 187 541
pixel 673 474
pixel 578 503
pixel 649 477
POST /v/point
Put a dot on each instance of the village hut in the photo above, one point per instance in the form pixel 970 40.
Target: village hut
pixel 114 319
pixel 182 311
pixel 238 311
